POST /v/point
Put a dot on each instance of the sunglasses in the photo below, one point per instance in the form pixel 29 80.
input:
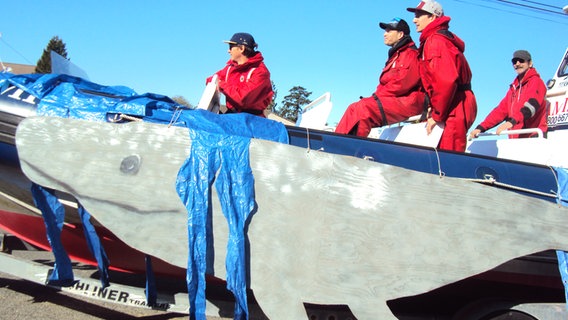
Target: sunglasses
pixel 515 60
pixel 232 45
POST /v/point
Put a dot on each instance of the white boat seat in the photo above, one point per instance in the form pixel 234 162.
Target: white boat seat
pixel 210 97
pixel 408 131
pixel 315 114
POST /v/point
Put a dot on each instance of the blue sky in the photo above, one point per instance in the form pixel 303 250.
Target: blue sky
pixel 171 47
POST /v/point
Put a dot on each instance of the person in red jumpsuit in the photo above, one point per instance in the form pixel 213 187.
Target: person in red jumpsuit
pixel 446 76
pixel 245 80
pixel 398 94
pixel 524 105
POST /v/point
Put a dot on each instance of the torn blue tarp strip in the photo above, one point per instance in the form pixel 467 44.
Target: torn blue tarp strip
pixel 220 152
pixel 235 189
pixel 94 244
pixel 563 267
pixel 53 214
pixel 151 289
pixel 193 188
pixel 562 194
pixel 562 199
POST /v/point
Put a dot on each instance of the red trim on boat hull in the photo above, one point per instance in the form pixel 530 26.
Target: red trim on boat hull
pixel 122 257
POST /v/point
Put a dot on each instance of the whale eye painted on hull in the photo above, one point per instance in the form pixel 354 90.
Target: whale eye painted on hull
pixel 130 165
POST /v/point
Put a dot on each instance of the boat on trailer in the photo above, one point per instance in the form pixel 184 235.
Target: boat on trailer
pixel 384 227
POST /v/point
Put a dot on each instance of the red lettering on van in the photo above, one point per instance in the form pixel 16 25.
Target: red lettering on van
pixel 556 107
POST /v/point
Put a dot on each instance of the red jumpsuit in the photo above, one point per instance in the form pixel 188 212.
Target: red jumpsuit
pixel 398 92
pixel 247 87
pixel 446 78
pixel 509 109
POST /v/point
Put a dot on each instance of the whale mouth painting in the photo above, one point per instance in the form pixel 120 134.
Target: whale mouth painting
pixel 325 228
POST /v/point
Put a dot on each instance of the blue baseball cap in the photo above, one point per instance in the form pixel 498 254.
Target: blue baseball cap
pixel 242 38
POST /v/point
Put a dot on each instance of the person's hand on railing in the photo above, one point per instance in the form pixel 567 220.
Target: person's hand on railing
pixel 474 134
pixel 504 126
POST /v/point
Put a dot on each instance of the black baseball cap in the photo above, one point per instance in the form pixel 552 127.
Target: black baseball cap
pixel 396 24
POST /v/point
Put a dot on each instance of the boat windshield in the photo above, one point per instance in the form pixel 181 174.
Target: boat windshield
pixel 563 69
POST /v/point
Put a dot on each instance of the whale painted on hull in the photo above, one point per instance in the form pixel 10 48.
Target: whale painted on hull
pixel 329 229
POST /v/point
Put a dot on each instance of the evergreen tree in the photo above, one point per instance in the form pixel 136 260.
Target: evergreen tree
pixel 293 103
pixel 44 63
pixel 182 101
pixel 272 106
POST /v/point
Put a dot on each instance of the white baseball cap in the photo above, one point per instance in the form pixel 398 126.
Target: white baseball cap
pixel 431 7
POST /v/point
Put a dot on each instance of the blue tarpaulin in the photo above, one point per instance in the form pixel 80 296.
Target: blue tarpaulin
pixel 53 214
pixel 218 155
pixel 562 198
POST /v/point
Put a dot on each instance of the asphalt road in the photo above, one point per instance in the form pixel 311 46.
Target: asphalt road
pixel 24 299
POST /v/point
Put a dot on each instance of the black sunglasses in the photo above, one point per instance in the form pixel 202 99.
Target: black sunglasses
pixel 515 60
